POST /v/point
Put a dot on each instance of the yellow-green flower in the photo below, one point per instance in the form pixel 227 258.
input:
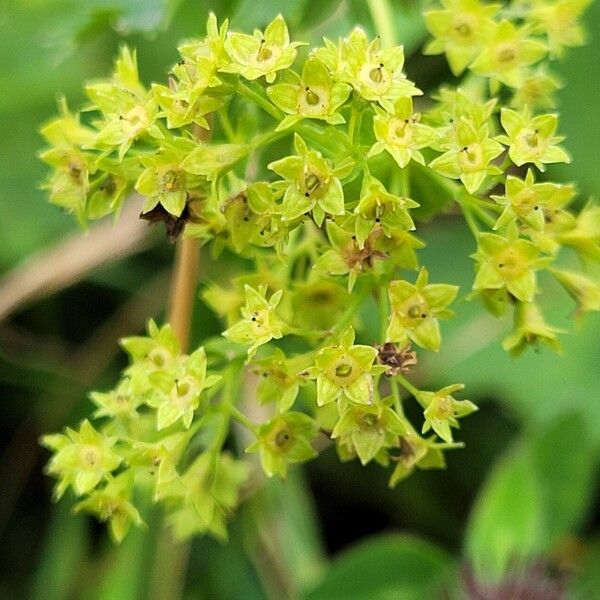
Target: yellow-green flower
pixel 285 439
pixel 260 323
pixel 205 495
pixel 416 310
pixel 377 207
pixel 128 110
pixel 81 459
pixel 176 393
pixel 507 262
pixel 558 21
pixel 374 72
pixel 529 202
pixel 345 371
pixel 538 91
pixel 261 54
pixel 507 52
pixel 112 503
pixel 442 410
pixel 310 184
pixel 530 329
pixel 531 139
pixel 164 182
pixel 459 29
pixel 314 95
pixel 401 134
pixel 469 155
pixel 366 430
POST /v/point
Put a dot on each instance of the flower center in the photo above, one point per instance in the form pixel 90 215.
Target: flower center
pixel 312 98
pixel 369 421
pixel 170 180
pixel 343 370
pixel 510 264
pixel 90 455
pixel 402 132
pixel 312 183
pixel 462 28
pixel 471 157
pixel 506 54
pixel 159 357
pixel 375 77
pixel 283 439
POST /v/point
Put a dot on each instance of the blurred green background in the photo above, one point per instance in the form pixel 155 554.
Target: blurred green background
pixel 526 484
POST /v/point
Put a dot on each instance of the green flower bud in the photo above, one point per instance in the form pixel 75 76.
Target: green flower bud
pixel 530 329
pixel 416 452
pixel 583 289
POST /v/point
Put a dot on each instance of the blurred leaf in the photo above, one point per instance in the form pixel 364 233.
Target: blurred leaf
pixel 537 493
pixel 390 567
pixel 222 571
pixel 507 521
pixel 282 534
pixel 62 557
pixel 578 101
pixel 587 582
pixel 563 461
pixel 124 574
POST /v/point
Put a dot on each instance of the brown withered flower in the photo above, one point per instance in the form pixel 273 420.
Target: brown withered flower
pixel 396 359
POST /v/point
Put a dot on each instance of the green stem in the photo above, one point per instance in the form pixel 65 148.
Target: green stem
pixel 348 315
pixel 397 399
pixel 384 309
pixel 469 218
pixel 227 127
pixel 241 418
pixel 355 122
pixel 407 385
pixel 306 333
pixel 259 100
pixel 383 19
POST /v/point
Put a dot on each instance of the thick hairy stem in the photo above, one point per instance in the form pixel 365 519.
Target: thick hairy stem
pixel 171 557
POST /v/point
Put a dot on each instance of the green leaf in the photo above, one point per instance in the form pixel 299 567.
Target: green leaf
pixel 508 520
pixel 282 535
pixel 389 567
pixel 63 553
pixel 563 461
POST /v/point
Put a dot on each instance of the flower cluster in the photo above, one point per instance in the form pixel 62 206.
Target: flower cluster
pixel 323 188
